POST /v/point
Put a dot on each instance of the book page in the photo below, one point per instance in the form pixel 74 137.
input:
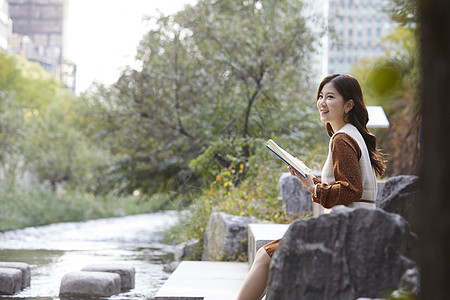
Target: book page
pixel 297 164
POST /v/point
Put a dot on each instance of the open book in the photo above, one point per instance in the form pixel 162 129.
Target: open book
pixel 294 162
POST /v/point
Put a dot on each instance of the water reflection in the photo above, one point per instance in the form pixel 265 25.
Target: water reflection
pixel 55 250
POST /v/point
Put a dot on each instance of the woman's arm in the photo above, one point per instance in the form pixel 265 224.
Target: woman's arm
pixel 348 184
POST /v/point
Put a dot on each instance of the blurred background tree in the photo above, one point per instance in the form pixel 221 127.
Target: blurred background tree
pixel 217 79
pixel 41 132
pixel 392 81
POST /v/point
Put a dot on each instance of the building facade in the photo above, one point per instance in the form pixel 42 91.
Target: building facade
pixel 357 27
pixel 5 25
pixel 38 31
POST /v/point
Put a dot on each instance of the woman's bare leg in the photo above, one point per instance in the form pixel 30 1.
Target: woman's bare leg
pixel 254 285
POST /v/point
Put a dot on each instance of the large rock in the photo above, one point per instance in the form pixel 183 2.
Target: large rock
pixel 125 272
pixel 347 254
pixel 10 281
pixel 226 237
pixel 23 267
pixel 90 284
pixel 399 195
pixel 186 249
pixel 296 198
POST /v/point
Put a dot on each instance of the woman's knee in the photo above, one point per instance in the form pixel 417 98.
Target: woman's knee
pixel 262 257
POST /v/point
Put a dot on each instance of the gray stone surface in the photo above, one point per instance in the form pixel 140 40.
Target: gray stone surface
pixel 186 249
pixel 171 267
pixel 410 281
pixel 25 268
pixel 399 195
pixel 347 254
pixel 226 236
pixel 380 187
pixel 208 280
pixel 125 272
pixel 296 198
pixel 90 284
pixel 10 281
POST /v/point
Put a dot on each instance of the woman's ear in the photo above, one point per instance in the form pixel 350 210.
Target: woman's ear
pixel 349 105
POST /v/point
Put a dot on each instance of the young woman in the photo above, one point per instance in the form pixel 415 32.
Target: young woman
pixel 348 175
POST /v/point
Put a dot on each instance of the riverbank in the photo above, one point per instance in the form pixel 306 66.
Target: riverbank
pixel 24 206
pixel 57 249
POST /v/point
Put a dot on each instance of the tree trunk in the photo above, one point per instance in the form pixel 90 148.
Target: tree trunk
pixel 434 206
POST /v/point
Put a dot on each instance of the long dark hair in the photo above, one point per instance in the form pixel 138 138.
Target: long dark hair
pixel 349 88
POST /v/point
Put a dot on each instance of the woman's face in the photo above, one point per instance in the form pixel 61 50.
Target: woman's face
pixel 331 107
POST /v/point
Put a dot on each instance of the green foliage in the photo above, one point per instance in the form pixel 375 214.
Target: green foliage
pixel 385 78
pixel 42 129
pixel 257 195
pixel 214 78
pixel 392 81
pixel 404 12
pixel 401 294
pixel 24 206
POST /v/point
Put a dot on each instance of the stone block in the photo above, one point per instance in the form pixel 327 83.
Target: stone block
pixel 10 281
pixel 399 195
pixel 23 267
pixel 198 280
pixel 261 234
pixel 347 254
pixel 90 284
pixel 126 273
pixel 296 198
pixel 226 236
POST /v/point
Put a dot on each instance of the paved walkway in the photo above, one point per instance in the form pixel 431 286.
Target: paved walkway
pixel 204 280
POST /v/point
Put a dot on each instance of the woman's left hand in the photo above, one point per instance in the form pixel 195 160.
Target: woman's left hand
pixel 307 181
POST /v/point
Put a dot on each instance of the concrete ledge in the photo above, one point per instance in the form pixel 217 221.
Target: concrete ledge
pixel 126 273
pixel 261 234
pixel 25 268
pixel 90 284
pixel 204 280
pixel 10 281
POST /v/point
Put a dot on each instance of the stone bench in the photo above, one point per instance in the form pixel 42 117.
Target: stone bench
pixel 261 234
pixel 209 280
pixel 10 281
pixel 90 284
pixel 126 273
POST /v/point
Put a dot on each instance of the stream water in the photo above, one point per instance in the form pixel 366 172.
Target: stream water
pixel 57 249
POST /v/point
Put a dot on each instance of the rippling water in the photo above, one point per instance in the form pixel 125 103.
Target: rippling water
pixel 55 250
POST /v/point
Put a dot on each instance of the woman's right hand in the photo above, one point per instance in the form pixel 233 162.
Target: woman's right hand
pixel 307 181
pixel 292 171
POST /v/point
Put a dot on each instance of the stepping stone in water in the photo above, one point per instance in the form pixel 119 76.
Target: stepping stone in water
pixel 95 284
pixel 126 273
pixel 25 268
pixel 10 281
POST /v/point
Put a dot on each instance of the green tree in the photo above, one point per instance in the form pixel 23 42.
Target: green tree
pixel 42 128
pixel 216 78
